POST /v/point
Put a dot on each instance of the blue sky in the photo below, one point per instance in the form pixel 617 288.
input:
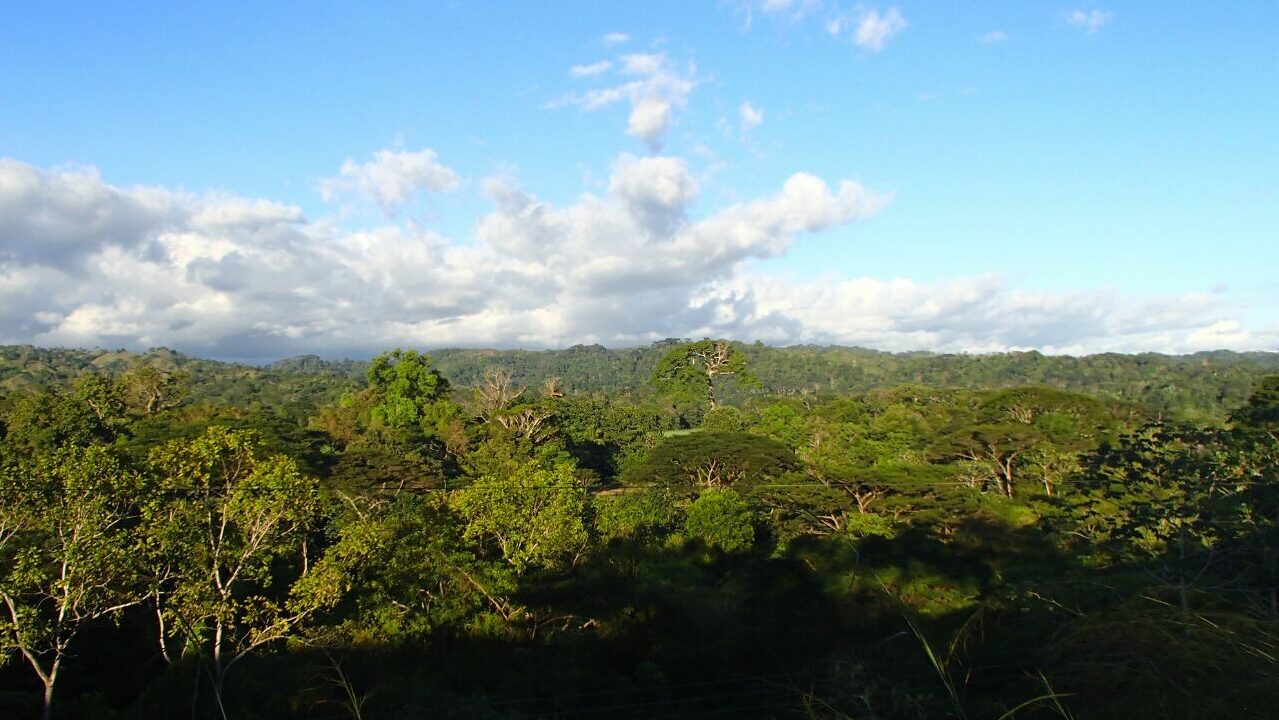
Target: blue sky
pixel 1072 177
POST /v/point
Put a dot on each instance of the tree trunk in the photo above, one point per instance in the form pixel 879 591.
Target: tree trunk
pixel 219 670
pixel 1006 475
pixel 710 391
pixel 159 621
pixel 49 680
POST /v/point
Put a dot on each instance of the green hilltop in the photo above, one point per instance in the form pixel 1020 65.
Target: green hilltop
pixel 1202 385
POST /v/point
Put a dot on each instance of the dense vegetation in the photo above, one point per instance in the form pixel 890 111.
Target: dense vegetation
pixel 1202 386
pixel 684 530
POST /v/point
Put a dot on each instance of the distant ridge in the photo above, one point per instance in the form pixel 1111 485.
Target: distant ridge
pixel 1201 385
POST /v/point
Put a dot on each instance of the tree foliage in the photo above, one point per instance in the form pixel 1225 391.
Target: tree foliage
pixel 67 556
pixel 692 369
pixel 406 387
pixel 720 518
pixel 852 542
pixel 220 523
pixel 713 459
pixel 534 517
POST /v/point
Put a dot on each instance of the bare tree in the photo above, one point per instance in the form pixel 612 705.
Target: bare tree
pixel 497 392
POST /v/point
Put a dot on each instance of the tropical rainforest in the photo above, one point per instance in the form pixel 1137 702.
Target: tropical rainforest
pixel 689 529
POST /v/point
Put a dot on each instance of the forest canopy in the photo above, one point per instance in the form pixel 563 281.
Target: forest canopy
pixel 687 529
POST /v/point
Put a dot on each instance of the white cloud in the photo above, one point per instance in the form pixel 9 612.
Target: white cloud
pixel 1090 21
pixel 52 217
pixel 791 9
pixel 873 29
pixel 591 70
pixel 869 28
pixel 391 178
pixel 649 119
pixel 994 36
pixel 244 277
pixel 250 278
pixel 643 64
pixel 615 38
pixel 655 88
pixel 752 117
pixel 981 314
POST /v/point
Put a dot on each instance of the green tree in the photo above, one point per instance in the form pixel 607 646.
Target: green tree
pixel 1000 433
pixel 406 387
pixel 1261 412
pixel 402 570
pixel 721 518
pixel 91 410
pixel 608 435
pixel 150 389
pixel 1193 506
pixel 691 369
pixel 66 553
pixel 221 524
pixel 642 513
pixel 713 459
pixel 534 516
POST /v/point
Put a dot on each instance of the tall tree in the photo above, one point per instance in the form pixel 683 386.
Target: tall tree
pixel 1194 506
pixel 1260 414
pixel 65 553
pixel 403 570
pixel 692 367
pixel 150 389
pixel 406 385
pixel 222 524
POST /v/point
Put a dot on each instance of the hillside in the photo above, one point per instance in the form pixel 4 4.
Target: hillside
pixel 1200 386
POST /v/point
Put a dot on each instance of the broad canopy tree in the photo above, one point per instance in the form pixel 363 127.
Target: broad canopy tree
pixel 1000 433
pixel 685 463
pixel 690 370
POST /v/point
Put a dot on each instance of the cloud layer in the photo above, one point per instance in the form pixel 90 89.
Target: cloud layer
pixel 84 262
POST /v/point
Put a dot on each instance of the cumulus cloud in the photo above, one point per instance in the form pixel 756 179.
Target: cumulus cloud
pixel 752 117
pixel 615 38
pixel 52 218
pixel 391 179
pixel 244 277
pixel 869 28
pixel 248 278
pixel 651 84
pixel 994 36
pixel 1089 21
